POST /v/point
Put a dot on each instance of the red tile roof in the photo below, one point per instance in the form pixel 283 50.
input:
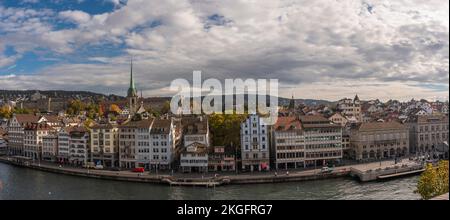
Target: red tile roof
pixel 287 123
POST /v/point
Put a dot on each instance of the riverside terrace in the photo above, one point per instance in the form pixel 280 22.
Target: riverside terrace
pixel 211 179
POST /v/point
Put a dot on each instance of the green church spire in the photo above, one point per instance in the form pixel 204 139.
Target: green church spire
pixel 132 92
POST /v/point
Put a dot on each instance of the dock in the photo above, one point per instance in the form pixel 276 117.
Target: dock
pixel 386 171
pixel 400 174
pixel 186 182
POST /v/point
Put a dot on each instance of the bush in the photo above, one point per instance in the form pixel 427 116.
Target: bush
pixel 434 181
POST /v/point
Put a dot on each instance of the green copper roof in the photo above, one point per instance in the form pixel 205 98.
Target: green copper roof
pixel 132 91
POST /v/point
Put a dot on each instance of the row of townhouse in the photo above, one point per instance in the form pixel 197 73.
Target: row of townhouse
pixel 66 145
pixel 185 142
pixel 148 143
pixel 45 138
pixel 16 129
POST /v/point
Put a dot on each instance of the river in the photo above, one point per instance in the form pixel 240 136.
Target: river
pixel 22 183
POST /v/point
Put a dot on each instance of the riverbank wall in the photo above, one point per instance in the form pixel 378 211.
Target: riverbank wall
pixel 177 181
pixel 83 173
pixel 258 178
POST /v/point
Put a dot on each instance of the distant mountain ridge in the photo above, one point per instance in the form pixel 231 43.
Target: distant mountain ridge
pixel 74 94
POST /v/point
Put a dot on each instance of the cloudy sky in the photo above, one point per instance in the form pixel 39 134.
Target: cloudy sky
pixel 321 49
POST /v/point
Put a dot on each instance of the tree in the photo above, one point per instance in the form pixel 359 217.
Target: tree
pixel 92 110
pixel 434 181
pixel 115 108
pixel 166 108
pixel 75 107
pixel 5 112
pixel 23 111
pixel 225 129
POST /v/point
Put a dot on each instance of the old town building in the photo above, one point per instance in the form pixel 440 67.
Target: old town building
pixel 164 142
pixel 377 140
pixel 63 144
pixel 32 139
pixel 194 158
pixel 306 141
pixel 133 136
pixel 254 144
pixel 351 109
pixel 16 128
pixel 222 158
pixel 104 141
pixel 50 148
pixel 430 131
pixel 79 150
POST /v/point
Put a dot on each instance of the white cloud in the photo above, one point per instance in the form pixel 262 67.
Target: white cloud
pixel 78 17
pixel 302 43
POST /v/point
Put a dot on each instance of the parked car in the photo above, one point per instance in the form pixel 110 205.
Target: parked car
pixel 89 165
pixel 138 170
pixel 99 167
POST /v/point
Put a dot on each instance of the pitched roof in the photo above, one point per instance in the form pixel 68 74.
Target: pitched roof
pixel 52 118
pixel 375 126
pixel 432 118
pixel 287 123
pixel 103 126
pixel 161 126
pixel 38 127
pixel 138 124
pixel 313 119
pixel 27 118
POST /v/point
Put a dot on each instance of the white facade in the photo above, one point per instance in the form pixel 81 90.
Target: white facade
pixel 306 141
pixel 143 146
pixel 134 143
pixel 194 158
pixel 49 147
pixel 63 145
pixel 254 144
pixel 351 108
pixel 32 142
pixel 79 147
pixel 16 132
pixel 104 143
pixel 162 143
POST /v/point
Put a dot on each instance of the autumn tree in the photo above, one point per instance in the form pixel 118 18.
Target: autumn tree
pixel 5 112
pixel 225 129
pixel 75 107
pixel 115 108
pixel 433 181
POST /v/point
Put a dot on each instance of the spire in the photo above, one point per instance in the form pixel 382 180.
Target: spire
pixel 292 103
pixel 132 92
pixel 356 98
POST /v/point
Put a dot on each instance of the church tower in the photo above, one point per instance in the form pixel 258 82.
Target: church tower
pixel 292 103
pixel 132 93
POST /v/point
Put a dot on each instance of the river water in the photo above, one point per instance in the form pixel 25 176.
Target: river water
pixel 23 183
